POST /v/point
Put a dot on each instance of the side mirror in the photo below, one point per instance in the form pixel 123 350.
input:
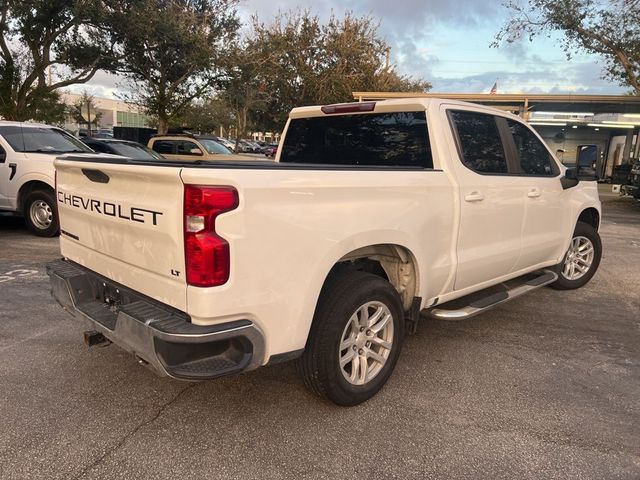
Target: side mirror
pixel 586 174
pixel 195 151
pixel 570 178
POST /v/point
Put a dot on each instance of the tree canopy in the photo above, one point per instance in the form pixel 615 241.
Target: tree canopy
pixel 299 60
pixel 181 55
pixel 46 45
pixel 171 52
pixel 610 29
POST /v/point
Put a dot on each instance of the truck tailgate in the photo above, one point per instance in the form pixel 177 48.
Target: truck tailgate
pixel 125 222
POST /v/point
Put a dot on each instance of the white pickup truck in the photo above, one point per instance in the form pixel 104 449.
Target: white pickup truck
pixel 27 153
pixel 372 215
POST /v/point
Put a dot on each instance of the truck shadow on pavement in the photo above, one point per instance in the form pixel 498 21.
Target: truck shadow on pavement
pixel 9 222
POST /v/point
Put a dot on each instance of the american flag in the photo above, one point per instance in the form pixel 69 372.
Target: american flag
pixel 494 89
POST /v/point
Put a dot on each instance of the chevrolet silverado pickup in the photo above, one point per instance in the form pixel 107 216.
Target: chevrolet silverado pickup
pixel 374 215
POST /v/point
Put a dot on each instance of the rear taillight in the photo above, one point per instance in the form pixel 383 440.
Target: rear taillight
pixel 207 256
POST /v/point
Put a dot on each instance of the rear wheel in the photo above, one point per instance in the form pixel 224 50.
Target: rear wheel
pixel 581 260
pixel 40 213
pixel 355 339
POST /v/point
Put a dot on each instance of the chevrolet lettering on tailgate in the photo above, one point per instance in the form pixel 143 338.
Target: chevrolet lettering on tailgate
pixel 134 214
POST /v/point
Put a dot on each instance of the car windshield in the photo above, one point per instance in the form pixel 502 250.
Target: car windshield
pixel 214 147
pixel 137 152
pixel 41 140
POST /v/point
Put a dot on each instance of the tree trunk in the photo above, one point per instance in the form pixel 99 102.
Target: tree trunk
pixel 89 119
pixel 163 125
pixel 20 113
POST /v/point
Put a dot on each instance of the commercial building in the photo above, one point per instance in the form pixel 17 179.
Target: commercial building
pixel 113 113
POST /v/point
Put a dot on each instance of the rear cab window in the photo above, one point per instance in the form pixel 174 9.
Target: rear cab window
pixel 167 147
pixel 397 139
pixel 185 147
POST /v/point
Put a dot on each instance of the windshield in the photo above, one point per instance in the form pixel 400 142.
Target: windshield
pixel 41 140
pixel 137 152
pixel 214 147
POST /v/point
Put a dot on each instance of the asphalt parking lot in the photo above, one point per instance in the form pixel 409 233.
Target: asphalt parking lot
pixel 547 386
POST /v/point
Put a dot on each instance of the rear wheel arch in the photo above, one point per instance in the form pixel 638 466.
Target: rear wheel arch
pixel 392 262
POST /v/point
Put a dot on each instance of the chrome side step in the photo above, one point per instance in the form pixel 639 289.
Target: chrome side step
pixel 479 302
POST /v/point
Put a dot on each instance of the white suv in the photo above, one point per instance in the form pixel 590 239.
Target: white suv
pixel 27 182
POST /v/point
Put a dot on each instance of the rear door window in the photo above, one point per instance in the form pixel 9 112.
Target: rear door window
pixel 398 139
pixel 480 142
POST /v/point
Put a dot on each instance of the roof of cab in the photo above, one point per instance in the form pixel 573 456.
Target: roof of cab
pixel 394 105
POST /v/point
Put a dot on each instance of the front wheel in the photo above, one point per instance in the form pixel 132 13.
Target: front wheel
pixel 581 260
pixel 355 339
pixel 41 214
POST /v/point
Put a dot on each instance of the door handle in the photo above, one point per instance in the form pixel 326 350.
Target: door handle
pixel 534 193
pixel 474 197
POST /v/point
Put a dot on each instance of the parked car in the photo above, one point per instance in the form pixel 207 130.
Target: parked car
pixel 257 148
pixel 244 147
pixel 270 150
pixel 27 185
pixel 103 134
pixel 190 147
pixel 123 148
pixel 230 144
pixel 247 146
pixel 373 214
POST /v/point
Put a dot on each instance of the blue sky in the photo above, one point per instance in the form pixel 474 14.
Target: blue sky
pixel 447 43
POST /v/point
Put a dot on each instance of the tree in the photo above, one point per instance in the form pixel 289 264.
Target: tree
pixel 172 51
pixel 207 116
pixel 244 92
pixel 85 112
pixel 47 45
pixel 301 61
pixel 609 29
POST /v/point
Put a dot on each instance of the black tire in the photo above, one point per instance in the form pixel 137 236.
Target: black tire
pixel 587 231
pixel 41 214
pixel 342 297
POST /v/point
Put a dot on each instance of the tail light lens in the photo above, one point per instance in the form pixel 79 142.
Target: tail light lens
pixel 207 256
